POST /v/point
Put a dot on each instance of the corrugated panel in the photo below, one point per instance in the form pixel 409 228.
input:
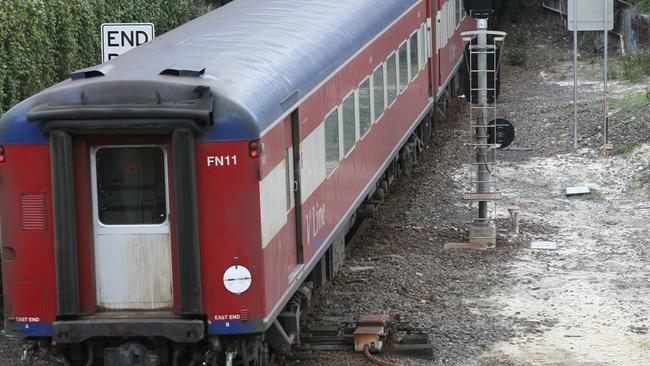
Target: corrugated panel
pixel 244 314
pixel 32 212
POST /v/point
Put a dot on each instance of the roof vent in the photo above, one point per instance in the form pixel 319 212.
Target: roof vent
pixel 177 71
pixel 92 72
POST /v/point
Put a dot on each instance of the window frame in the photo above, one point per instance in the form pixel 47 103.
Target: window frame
pixel 423 46
pixel 338 116
pixel 369 79
pixel 396 78
pixel 375 119
pixel 101 228
pixel 291 178
pixel 408 68
pixel 352 94
pixel 411 76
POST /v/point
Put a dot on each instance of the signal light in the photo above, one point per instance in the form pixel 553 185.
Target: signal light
pixel 253 149
pixel 2 155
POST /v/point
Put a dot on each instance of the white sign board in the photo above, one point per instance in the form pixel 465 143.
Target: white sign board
pixel 590 15
pixel 118 38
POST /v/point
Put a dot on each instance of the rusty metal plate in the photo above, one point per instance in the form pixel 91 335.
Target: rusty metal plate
pixel 373 319
pixel 370 336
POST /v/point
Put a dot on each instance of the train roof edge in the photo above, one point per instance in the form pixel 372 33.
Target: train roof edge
pixel 257 57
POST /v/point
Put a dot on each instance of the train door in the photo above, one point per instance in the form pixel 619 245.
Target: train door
pixel 295 180
pixel 436 9
pixel 132 243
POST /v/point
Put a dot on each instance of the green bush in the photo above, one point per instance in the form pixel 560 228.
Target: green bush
pixel 517 55
pixel 643 5
pixel 516 51
pixel 42 41
pixel 635 65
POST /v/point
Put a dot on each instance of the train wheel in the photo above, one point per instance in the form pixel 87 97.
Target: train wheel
pixel 78 355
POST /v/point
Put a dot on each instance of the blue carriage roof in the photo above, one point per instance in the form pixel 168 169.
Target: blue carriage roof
pixel 258 57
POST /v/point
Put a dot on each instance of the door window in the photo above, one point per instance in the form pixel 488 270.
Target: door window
pixel 131 187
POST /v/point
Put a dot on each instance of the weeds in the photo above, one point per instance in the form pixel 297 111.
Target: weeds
pixel 628 149
pixel 595 194
pixel 632 101
pixel 635 66
pixel 643 5
pixel 613 71
pixel 517 54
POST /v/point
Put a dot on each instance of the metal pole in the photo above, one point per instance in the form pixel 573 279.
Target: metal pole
pixel 575 74
pixel 606 73
pixel 481 134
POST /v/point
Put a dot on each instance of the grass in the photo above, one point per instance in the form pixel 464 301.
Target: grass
pixel 595 194
pixel 634 65
pixel 627 149
pixel 635 100
pixel 517 54
pixel 639 185
pixel 613 71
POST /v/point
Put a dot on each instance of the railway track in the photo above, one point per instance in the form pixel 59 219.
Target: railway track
pixel 394 336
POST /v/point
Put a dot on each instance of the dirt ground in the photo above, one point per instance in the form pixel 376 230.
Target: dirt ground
pixel 584 303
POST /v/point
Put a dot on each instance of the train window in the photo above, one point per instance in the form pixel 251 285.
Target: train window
pixel 391 78
pixel 332 141
pixel 131 187
pixel 288 164
pixel 365 116
pixel 423 46
pixel 413 43
pixel 349 123
pixel 379 92
pixel 403 67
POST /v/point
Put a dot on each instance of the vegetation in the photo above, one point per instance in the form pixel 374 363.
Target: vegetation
pixel 633 101
pixel 643 5
pixel 628 149
pixel 42 41
pixel 633 66
pixel 594 194
pixel 516 54
pixel 517 10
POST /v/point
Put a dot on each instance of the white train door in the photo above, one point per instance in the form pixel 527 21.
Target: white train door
pixel 132 244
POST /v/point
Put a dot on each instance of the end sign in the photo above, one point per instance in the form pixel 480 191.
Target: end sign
pixel 118 38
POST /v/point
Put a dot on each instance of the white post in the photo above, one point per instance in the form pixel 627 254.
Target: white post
pixel 575 74
pixel 483 173
pixel 606 74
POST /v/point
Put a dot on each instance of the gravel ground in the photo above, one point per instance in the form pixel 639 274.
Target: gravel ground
pixel 584 303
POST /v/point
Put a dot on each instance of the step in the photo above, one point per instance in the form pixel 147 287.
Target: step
pixel 487 196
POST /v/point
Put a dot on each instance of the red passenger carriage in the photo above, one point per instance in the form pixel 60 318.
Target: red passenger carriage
pixel 169 203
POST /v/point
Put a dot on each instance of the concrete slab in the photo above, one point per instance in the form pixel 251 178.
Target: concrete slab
pixel 483 234
pixel 577 191
pixel 543 245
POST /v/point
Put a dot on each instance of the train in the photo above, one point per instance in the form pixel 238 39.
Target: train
pixel 176 204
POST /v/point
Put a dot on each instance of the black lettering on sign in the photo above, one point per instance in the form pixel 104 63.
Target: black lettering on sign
pixel 126 40
pixel 112 36
pixel 112 55
pixel 141 37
